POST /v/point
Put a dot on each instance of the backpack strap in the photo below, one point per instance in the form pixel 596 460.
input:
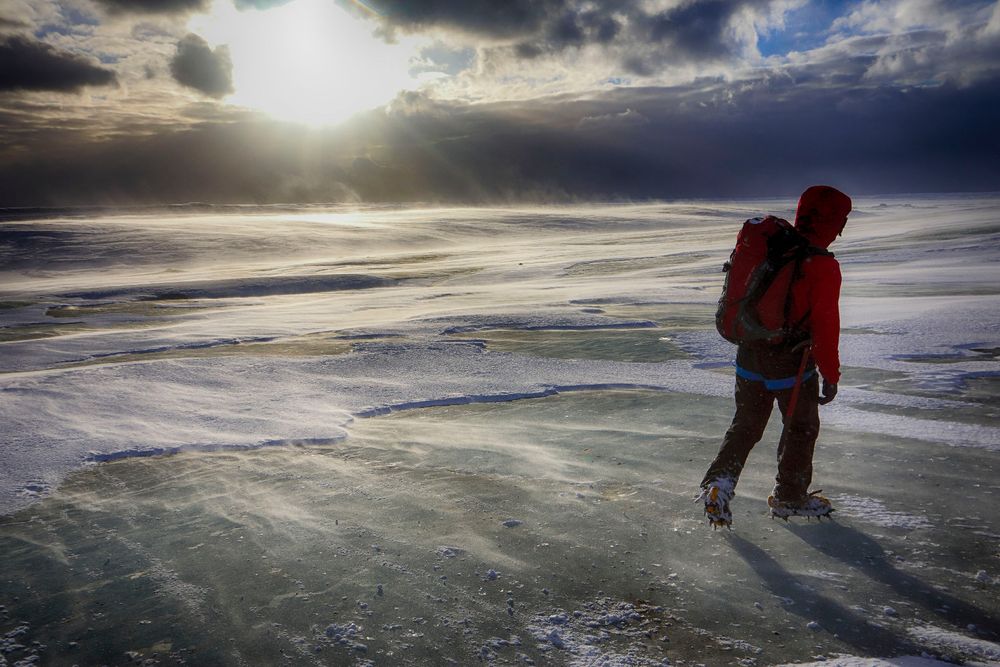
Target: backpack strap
pixel 801 257
pixel 796 274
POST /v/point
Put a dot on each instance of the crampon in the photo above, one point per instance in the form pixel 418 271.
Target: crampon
pixel 813 505
pixel 716 496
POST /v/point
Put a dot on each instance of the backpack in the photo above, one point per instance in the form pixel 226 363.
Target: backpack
pixel 757 296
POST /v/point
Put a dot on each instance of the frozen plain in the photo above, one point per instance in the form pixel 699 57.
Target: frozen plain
pixel 354 481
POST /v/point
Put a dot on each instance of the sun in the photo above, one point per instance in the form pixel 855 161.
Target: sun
pixel 308 61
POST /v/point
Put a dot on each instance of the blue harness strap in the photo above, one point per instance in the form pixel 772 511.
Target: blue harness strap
pixel 778 384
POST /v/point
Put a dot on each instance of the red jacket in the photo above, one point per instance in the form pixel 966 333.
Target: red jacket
pixel 820 217
pixel 816 303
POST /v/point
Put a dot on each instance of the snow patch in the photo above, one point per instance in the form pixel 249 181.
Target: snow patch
pixel 874 511
pixel 853 661
pixel 947 640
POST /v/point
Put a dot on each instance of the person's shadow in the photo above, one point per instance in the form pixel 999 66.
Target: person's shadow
pixel 855 549
pixel 849 626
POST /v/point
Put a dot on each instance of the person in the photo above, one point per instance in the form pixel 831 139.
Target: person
pixel 766 373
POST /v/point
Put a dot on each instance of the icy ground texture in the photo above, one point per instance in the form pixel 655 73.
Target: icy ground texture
pixel 562 526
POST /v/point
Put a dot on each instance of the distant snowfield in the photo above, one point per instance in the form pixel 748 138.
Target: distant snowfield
pixel 369 336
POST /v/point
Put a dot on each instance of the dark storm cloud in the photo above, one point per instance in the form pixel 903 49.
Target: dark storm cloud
pixel 765 138
pixel 602 28
pixel 573 29
pixel 613 120
pixel 567 30
pixel 687 142
pixel 197 66
pixel 693 31
pixel 153 6
pixel 493 18
pixel 27 64
pixel 248 162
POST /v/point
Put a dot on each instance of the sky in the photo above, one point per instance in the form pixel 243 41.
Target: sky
pixel 147 102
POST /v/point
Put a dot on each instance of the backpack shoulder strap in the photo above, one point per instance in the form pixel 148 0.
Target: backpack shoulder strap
pixel 804 254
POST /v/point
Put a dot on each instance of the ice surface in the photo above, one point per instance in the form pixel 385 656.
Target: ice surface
pixel 854 661
pixel 341 389
pixel 874 511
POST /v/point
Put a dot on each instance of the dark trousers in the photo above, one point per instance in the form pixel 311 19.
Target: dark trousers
pixel 798 439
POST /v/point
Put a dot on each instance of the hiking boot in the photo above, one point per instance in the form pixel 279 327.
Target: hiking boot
pixel 716 496
pixel 808 506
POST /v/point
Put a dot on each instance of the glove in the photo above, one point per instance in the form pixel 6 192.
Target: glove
pixel 829 392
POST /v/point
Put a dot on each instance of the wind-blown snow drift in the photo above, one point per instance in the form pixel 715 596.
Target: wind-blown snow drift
pixel 123 335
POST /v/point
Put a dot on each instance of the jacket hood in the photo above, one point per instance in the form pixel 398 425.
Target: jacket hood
pixel 822 214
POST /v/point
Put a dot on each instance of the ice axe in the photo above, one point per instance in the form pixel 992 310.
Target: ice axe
pixel 806 346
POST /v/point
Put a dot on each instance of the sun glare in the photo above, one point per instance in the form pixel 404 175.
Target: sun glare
pixel 308 61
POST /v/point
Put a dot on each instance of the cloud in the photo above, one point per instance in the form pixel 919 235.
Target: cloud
pixel 574 45
pixel 197 66
pixel 622 119
pixel 248 161
pixel 992 28
pixel 260 4
pixel 153 6
pixel 771 136
pixel 9 24
pixel 900 16
pixel 644 38
pixel 485 18
pixel 570 46
pixel 27 64
pixel 694 30
pixel 899 50
pixel 908 109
